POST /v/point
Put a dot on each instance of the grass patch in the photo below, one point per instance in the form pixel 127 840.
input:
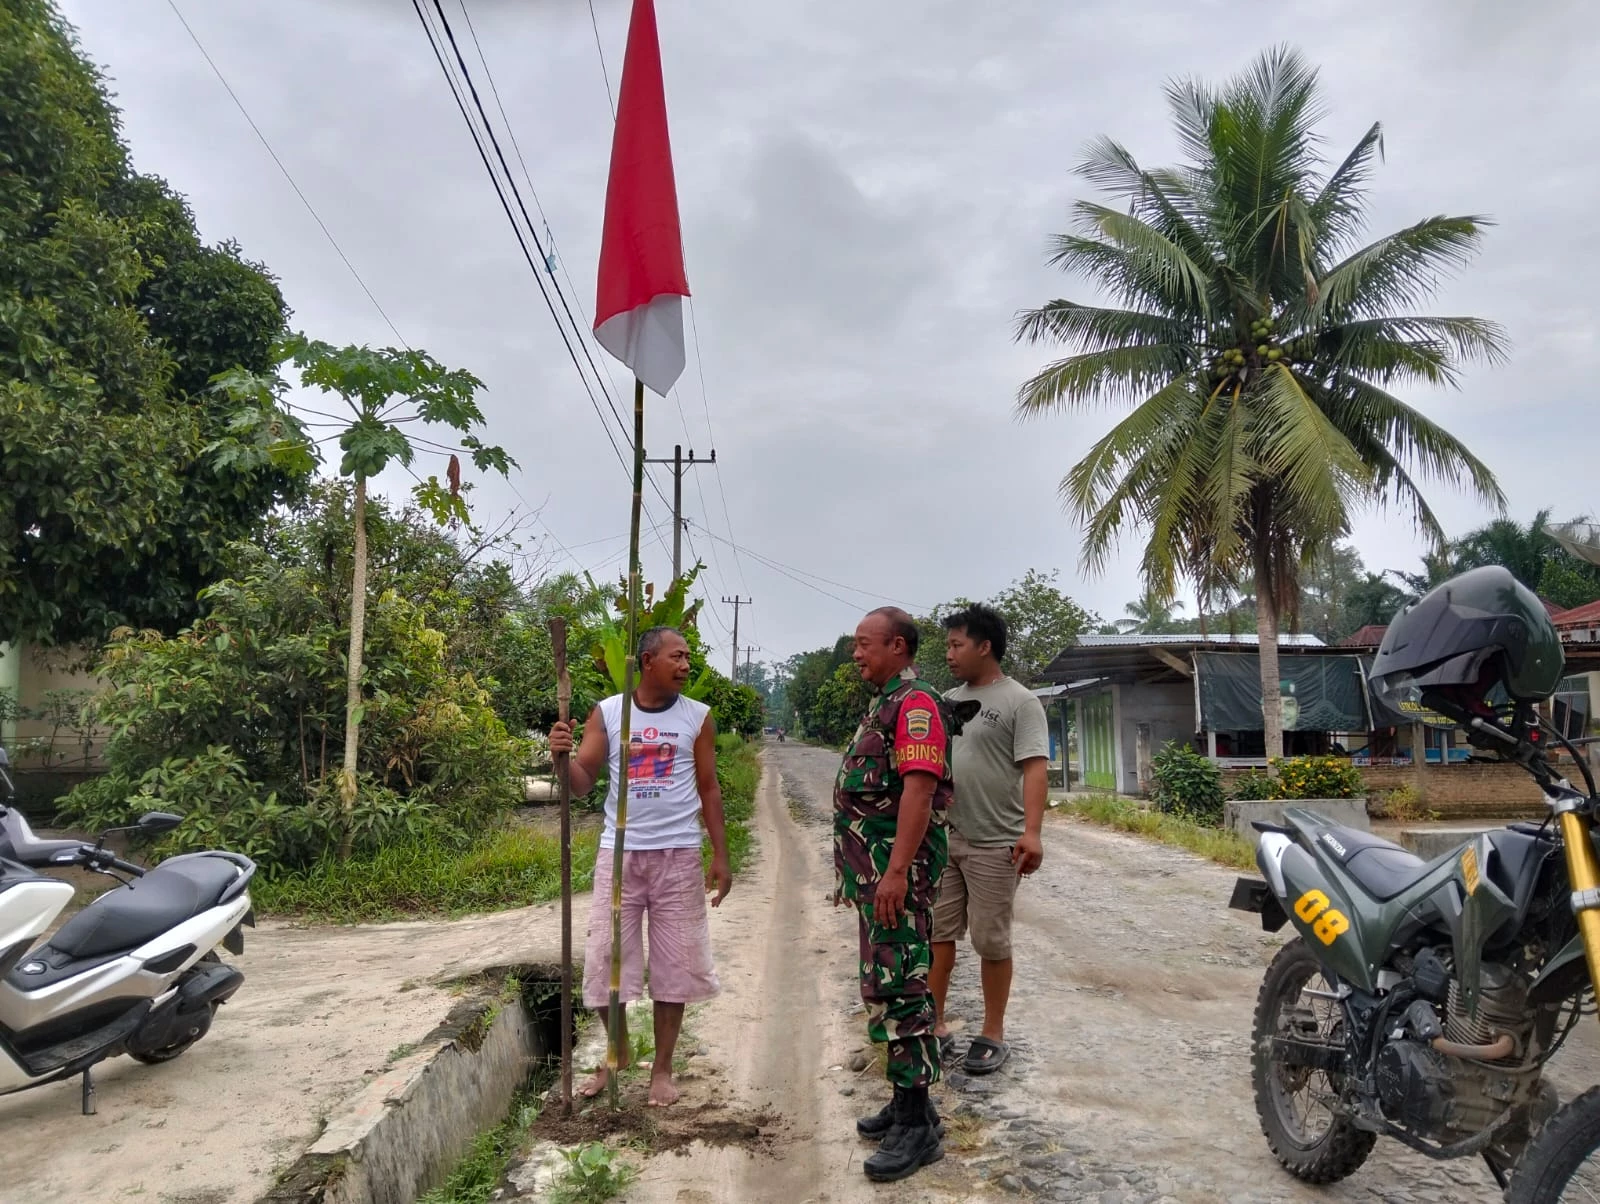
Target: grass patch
pixel 1216 844
pixel 964 1134
pixel 478 1175
pixel 739 774
pixel 509 866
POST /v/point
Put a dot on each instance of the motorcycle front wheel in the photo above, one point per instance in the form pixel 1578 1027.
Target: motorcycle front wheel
pixel 1560 1164
pixel 1308 1136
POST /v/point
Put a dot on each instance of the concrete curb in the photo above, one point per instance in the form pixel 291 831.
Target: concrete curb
pixel 399 1136
pixel 1432 843
pixel 1237 814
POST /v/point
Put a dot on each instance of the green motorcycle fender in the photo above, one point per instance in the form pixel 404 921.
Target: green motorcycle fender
pixel 1563 975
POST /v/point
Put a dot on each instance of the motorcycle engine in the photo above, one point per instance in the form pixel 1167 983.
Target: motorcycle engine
pixel 1445 1098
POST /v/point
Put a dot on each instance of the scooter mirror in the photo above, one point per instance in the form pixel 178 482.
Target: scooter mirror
pixel 155 822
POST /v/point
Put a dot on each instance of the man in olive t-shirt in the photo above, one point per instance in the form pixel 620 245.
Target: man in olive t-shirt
pixel 1001 788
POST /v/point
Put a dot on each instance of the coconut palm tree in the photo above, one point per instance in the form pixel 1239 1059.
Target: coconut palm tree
pixel 1259 343
pixel 1150 616
pixel 1523 549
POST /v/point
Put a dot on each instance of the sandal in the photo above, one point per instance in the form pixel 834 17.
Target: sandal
pixel 985 1056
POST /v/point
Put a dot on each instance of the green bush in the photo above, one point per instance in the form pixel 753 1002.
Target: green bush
pixel 429 870
pixel 1254 785
pixel 1319 777
pixel 1303 778
pixel 1405 804
pixel 237 722
pixel 1187 784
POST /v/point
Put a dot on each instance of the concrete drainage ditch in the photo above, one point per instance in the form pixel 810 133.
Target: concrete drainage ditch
pixel 399 1136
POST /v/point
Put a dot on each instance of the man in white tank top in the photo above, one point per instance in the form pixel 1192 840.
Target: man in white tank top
pixel 672 791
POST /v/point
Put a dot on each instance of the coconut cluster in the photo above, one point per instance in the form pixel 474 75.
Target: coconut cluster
pixel 1253 353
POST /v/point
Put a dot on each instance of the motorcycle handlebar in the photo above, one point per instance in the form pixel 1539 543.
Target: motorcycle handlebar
pixel 102 859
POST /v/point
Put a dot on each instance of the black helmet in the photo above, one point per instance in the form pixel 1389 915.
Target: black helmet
pixel 1463 638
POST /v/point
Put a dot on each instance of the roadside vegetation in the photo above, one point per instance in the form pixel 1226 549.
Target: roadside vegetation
pixel 1124 815
pixel 511 865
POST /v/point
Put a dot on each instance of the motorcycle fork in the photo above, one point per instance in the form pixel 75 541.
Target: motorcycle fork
pixel 1583 869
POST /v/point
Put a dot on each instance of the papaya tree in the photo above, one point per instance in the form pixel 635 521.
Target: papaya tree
pixel 383 389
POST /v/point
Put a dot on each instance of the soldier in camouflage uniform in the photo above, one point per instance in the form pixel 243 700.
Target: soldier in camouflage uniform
pixel 889 805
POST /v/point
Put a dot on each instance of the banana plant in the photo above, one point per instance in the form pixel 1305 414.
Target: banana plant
pixel 609 646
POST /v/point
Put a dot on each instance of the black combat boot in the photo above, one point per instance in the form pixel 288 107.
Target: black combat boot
pixel 879 1123
pixel 912 1141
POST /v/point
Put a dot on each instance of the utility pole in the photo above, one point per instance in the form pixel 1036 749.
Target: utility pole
pixel 679 467
pixel 748 649
pixel 736 602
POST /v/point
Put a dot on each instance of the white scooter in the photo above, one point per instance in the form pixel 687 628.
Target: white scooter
pixel 135 972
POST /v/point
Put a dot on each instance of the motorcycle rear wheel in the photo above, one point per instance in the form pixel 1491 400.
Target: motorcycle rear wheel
pixel 1328 1154
pixel 1555 1159
pixel 202 1026
pixel 154 1057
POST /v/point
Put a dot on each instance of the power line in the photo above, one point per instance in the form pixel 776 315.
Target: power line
pixel 800 575
pixel 516 147
pixel 477 140
pixel 699 364
pixel 488 128
pixel 584 332
pixel 606 75
pixel 328 234
pixel 705 404
pixel 345 259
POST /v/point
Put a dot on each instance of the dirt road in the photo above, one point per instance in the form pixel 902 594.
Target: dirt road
pixel 1129 1083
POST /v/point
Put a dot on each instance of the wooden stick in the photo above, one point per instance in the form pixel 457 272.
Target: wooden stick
pixel 558 645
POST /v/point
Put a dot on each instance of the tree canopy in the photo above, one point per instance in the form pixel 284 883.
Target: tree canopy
pixel 123 475
pixel 822 689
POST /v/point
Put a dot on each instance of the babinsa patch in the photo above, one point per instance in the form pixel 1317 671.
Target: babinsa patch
pixel 918 722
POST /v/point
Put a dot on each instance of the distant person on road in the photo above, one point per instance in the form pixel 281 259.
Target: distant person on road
pixel 1002 787
pixel 889 805
pixel 672 772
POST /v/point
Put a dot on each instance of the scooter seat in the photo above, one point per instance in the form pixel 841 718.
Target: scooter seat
pixel 129 916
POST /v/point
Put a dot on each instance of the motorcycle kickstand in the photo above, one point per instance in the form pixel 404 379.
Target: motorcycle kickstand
pixel 88 1092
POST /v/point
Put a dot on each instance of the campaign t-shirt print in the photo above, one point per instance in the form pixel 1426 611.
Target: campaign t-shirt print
pixel 651 756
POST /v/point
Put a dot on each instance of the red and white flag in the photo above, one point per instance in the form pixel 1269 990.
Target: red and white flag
pixel 639 302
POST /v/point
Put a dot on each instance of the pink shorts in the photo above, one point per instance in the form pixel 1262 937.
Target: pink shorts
pixel 669 886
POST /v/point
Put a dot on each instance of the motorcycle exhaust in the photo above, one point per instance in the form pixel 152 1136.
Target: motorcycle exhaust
pixel 1501 1047
pixel 189 1009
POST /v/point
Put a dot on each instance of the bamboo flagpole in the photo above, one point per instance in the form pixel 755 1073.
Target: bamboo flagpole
pixel 625 753
pixel 639 320
pixel 563 767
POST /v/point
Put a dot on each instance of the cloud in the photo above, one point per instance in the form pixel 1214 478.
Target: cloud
pixel 867 191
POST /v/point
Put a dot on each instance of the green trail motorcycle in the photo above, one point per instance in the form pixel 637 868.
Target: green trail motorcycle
pixel 1422 1000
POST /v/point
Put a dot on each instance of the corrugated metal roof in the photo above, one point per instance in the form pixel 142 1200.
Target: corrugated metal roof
pixel 1285 640
pixel 1587 615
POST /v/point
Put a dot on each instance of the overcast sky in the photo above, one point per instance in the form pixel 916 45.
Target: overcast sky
pixel 866 191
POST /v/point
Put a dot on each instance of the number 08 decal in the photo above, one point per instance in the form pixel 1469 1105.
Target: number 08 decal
pixel 1327 922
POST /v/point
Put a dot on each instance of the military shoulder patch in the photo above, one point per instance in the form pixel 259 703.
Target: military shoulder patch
pixel 918 722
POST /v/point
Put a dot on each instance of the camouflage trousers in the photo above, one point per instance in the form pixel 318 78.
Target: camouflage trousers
pixel 894 965
pixel 894 986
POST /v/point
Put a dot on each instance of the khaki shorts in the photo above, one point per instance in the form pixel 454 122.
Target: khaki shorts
pixel 976 892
